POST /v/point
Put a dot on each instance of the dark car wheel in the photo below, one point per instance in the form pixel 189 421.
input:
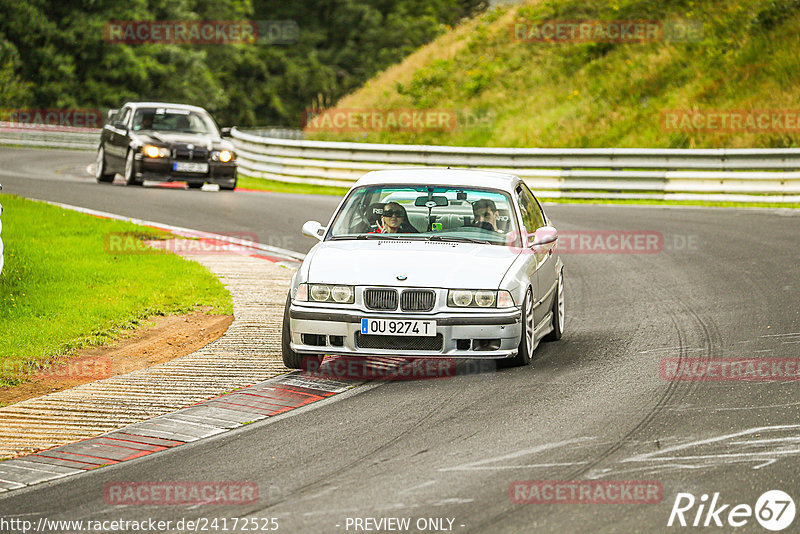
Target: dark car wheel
pixel 100 168
pixel 291 359
pixel 558 311
pixel 195 185
pixel 130 172
pixel 227 187
pixel 527 341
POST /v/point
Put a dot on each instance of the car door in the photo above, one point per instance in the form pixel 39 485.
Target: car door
pixel 547 268
pixel 527 230
pixel 543 279
pixel 117 144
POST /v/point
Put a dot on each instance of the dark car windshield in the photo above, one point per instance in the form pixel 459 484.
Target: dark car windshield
pixel 446 213
pixel 173 120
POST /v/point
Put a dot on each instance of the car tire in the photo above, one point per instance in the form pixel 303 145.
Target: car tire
pixel 100 173
pixel 526 342
pixel 292 359
pixel 195 185
pixel 130 172
pixel 228 187
pixel 558 311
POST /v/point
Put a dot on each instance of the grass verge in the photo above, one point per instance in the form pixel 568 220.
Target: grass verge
pixel 262 184
pixel 61 289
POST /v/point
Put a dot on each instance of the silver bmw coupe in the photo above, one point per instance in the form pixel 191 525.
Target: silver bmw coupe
pixel 428 262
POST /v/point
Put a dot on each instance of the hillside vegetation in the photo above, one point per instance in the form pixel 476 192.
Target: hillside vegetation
pixel 56 54
pixel 509 92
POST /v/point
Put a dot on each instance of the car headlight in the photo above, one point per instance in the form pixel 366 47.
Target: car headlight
pixel 342 294
pixel 152 151
pixel 459 297
pixel 479 298
pixel 223 155
pixel 484 299
pixel 331 293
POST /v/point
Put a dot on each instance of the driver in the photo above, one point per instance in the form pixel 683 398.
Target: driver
pixel 395 220
pixel 485 214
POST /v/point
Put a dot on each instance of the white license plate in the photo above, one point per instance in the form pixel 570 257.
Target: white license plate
pixel 398 327
pixel 188 166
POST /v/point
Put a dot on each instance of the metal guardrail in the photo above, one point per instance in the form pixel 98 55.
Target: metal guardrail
pixel 769 175
pixel 15 133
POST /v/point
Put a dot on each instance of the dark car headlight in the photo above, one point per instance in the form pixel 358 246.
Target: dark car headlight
pixel 223 155
pixel 152 151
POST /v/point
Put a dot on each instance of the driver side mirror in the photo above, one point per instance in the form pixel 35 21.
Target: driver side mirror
pixel 544 239
pixel 314 229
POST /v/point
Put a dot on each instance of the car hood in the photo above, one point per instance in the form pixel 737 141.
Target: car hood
pixel 424 263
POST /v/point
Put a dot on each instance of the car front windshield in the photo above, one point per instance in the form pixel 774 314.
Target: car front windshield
pixel 447 213
pixel 173 120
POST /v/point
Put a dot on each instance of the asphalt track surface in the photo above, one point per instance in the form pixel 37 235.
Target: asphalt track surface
pixel 591 406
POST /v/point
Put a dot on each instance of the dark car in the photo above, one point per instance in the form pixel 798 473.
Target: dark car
pixel 165 142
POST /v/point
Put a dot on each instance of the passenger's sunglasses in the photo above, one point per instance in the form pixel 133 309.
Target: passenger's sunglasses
pixel 390 213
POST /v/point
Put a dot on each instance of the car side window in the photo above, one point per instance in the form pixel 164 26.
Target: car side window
pixel 123 116
pixel 538 215
pixel 529 212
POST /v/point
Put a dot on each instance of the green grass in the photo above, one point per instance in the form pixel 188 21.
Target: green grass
pixel 512 93
pixel 61 290
pixel 262 184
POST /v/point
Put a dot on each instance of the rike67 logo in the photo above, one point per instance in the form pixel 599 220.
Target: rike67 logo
pixel 774 510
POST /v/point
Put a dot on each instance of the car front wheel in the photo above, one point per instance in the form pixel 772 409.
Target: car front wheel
pixel 130 172
pixel 527 341
pixel 228 187
pixel 292 359
pixel 100 168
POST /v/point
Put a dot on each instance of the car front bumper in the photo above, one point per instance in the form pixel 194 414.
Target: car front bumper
pixel 482 335
pixel 160 169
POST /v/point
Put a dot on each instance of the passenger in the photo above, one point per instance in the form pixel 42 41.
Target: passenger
pixel 143 121
pixel 485 213
pixel 395 220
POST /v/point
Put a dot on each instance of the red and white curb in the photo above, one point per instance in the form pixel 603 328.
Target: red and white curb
pixel 221 414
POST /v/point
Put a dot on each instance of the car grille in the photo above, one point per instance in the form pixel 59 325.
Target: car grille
pixel 399 342
pixel 417 300
pixel 380 299
pixel 198 153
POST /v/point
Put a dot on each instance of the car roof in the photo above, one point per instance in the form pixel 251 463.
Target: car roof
pixel 440 176
pixel 163 105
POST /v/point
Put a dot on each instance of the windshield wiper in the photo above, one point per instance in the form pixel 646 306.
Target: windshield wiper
pixel 372 236
pixel 459 239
